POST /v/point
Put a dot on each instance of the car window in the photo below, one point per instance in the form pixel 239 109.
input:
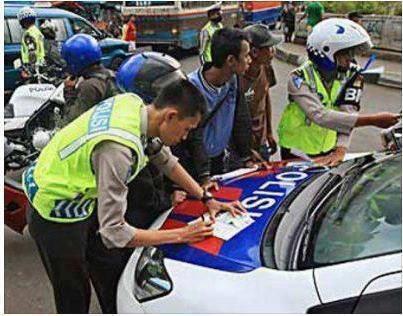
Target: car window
pixel 15 31
pixel 80 26
pixel 365 220
pixel 61 33
pixel 7 36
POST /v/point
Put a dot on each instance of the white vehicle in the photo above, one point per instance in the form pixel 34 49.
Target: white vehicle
pixel 315 240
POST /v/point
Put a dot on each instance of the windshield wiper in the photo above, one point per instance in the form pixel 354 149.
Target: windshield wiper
pixel 347 178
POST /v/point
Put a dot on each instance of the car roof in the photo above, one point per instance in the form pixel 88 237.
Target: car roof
pixel 11 10
pixel 263 192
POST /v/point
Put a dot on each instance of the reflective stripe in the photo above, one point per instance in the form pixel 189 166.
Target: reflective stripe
pixel 70 149
pixel 71 209
pixel 29 183
pixel 311 78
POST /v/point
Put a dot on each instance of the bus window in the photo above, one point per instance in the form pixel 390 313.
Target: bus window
pixel 197 4
pixel 204 4
pixel 148 3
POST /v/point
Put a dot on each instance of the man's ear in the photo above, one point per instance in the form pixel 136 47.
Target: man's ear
pixel 231 60
pixel 254 52
pixel 170 113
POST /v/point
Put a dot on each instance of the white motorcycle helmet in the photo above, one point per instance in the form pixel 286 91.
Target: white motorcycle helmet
pixel 333 35
pixel 48 25
pixel 48 29
pixel 26 14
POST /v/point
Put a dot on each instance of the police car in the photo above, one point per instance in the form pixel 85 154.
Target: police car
pixel 315 240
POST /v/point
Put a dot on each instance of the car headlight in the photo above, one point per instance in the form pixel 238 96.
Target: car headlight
pixel 151 278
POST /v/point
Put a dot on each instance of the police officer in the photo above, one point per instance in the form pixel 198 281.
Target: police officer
pixel 89 81
pixel 214 15
pixel 325 95
pixel 89 163
pixel 32 49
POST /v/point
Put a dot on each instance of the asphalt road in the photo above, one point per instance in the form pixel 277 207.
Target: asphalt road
pixel 27 289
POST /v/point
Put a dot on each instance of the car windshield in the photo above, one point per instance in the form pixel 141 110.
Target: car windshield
pixel 81 26
pixel 363 221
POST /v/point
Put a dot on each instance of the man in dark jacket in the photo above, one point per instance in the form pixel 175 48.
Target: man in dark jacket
pixel 90 82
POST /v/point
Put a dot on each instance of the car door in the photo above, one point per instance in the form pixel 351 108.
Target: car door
pixel 358 287
pixel 382 295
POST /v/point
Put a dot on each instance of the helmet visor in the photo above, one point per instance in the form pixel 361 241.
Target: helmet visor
pixel 357 50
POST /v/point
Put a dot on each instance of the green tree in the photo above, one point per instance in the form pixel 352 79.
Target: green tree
pixel 364 7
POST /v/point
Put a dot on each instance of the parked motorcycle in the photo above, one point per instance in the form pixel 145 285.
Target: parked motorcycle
pixel 37 110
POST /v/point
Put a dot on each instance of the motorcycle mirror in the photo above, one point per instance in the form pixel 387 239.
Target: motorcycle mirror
pixel 17 63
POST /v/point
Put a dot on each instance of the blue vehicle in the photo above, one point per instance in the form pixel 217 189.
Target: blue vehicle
pixel 266 12
pixel 174 24
pixel 114 50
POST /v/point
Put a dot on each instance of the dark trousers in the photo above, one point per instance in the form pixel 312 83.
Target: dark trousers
pixel 217 164
pixel 73 256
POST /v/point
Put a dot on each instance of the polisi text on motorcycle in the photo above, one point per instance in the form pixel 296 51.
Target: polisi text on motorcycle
pixel 40 89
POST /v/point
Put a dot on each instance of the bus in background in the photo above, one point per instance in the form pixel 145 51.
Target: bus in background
pixel 266 12
pixel 166 24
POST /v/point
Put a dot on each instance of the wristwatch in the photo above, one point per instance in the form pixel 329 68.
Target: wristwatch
pixel 207 196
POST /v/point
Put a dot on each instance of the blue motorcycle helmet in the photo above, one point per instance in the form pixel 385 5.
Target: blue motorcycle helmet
pixel 147 73
pixel 80 51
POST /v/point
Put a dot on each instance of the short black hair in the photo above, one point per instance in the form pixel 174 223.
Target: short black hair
pixel 184 96
pixel 226 41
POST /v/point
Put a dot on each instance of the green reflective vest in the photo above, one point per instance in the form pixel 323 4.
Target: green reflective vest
pixel 296 130
pixel 32 47
pixel 211 28
pixel 62 185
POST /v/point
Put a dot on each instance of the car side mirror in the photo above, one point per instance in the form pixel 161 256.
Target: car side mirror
pixel 17 63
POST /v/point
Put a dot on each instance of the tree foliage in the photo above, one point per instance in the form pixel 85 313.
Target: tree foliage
pixel 364 7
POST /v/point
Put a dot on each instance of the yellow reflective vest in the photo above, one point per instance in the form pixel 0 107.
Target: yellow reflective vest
pixel 32 47
pixel 211 28
pixel 62 185
pixel 296 130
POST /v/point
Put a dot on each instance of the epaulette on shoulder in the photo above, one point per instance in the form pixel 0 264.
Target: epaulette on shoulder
pixel 298 72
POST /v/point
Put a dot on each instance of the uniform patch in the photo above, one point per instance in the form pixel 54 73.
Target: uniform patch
pixel 297 81
pixel 99 120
